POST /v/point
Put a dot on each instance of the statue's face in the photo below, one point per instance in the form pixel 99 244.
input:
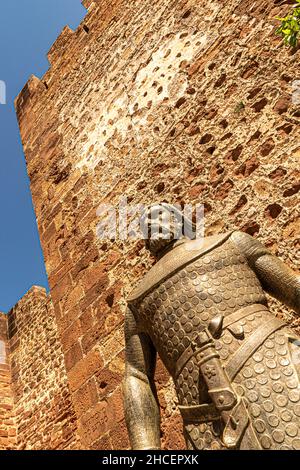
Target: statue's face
pixel 162 228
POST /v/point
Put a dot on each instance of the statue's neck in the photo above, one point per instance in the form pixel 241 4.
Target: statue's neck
pixel 173 244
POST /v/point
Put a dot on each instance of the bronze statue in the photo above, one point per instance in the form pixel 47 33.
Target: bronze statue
pixel 203 309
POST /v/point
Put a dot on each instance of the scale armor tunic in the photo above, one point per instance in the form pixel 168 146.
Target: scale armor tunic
pixel 221 281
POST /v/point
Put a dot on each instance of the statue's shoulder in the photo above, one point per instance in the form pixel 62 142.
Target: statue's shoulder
pixel 175 260
pixel 249 246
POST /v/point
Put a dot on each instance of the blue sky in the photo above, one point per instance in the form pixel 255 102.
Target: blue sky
pixel 27 30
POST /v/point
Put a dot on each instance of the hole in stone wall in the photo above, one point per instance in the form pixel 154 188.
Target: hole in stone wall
pixel 141 185
pixel 205 139
pixel 184 64
pixel 103 385
pixel 259 105
pixel 180 102
pixel 183 35
pixel 159 90
pixel 186 14
pixel 291 191
pixel 273 210
pixel 254 92
pixel 252 228
pixel 224 123
pixel 256 135
pixel 46 86
pixel 220 80
pixel 248 167
pixel 110 300
pixel 278 173
pixel 226 136
pixel 207 207
pixel 240 204
pixel 235 154
pixel 287 128
pixel 211 113
pixel 211 150
pixel 267 147
pixel 285 77
pixel 160 187
pixel 86 28
pixel 191 91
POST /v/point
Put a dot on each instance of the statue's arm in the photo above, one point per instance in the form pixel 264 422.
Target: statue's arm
pixel 278 279
pixel 140 401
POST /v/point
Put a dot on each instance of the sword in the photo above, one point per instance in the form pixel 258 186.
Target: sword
pixel 232 408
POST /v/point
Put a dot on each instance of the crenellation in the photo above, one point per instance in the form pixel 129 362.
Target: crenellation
pixel 7 421
pixel 60 46
pixel 35 405
pixel 89 3
pixel 33 87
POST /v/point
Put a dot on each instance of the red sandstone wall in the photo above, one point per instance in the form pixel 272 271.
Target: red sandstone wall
pixel 44 416
pixel 183 101
pixel 7 422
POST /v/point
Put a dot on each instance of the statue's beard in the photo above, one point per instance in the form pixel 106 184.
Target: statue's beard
pixel 158 246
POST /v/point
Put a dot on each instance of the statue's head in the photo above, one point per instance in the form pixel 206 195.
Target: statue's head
pixel 162 225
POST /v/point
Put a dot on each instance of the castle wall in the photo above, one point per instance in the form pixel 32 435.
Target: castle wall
pixel 8 430
pixel 44 417
pixel 179 101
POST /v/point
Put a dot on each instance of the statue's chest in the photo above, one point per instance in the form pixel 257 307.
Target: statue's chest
pixel 218 282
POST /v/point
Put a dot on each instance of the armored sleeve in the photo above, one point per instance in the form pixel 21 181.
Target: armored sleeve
pixel 277 278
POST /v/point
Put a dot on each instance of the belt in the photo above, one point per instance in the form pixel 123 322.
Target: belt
pixel 208 412
pixel 228 321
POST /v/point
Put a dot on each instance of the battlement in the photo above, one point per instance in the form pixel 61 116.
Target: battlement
pixel 29 348
pixel 32 87
pixel 7 423
pixel 3 326
pixel 88 3
pixel 66 41
pixel 58 48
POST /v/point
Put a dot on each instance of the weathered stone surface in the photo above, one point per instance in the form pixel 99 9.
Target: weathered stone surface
pixel 36 411
pixel 8 430
pixel 180 101
pixel 43 413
